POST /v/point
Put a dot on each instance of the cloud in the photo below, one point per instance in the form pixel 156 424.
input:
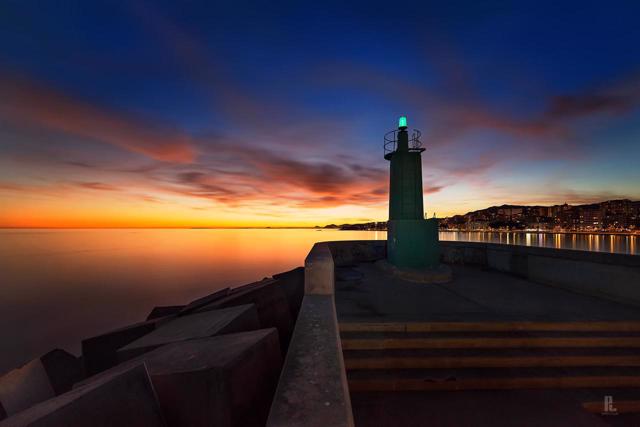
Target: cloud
pixel 432 189
pixel 204 185
pixel 615 98
pixel 236 175
pixel 453 108
pixel 34 104
pixel 569 106
pixel 79 164
pixel 101 186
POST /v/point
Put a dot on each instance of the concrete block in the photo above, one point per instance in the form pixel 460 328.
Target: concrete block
pixel 39 380
pixel 226 380
pixel 99 352
pixel 198 325
pixel 292 282
pixel 249 286
pixel 63 370
pixel 164 311
pixel 125 399
pixel 201 302
pixel 271 304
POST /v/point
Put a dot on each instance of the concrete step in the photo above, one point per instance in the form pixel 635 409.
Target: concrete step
pixel 487 334
pixel 490 378
pixel 488 342
pixel 512 383
pixel 622 326
pixel 492 383
pixel 450 353
pixel 495 408
pixel 356 363
pixel 452 374
pixel 448 356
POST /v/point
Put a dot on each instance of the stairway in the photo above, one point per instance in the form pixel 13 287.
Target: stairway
pixel 456 356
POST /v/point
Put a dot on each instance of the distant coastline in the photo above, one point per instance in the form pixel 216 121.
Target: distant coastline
pixel 604 233
pixel 611 217
pixel 444 230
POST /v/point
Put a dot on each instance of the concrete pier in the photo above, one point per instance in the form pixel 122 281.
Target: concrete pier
pixel 505 330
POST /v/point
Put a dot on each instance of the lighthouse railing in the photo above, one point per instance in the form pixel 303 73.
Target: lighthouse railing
pixel 391 141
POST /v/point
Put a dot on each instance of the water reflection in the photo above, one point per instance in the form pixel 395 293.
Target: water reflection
pixel 60 286
pixel 626 244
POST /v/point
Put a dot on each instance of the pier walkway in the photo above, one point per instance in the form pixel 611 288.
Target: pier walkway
pixel 488 349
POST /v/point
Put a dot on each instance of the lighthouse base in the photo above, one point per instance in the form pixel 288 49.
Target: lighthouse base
pixel 413 243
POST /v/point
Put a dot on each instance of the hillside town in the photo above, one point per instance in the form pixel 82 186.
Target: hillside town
pixel 620 216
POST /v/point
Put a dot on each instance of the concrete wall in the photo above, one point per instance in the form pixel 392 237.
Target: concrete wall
pixel 319 271
pixel 313 389
pixel 352 251
pixel 612 276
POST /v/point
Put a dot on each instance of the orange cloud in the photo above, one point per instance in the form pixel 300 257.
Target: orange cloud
pixel 31 103
pixel 98 186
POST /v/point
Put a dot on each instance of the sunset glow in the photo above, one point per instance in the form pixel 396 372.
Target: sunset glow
pixel 160 121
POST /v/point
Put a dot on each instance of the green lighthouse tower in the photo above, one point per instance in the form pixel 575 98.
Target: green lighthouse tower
pixel 412 240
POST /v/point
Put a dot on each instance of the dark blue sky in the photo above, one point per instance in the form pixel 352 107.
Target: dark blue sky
pixel 279 109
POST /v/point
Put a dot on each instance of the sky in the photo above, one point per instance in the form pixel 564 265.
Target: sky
pixel 233 114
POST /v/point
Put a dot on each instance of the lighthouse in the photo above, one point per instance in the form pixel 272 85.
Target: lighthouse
pixel 412 240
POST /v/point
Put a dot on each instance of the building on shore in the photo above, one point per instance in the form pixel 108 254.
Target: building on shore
pixel 609 216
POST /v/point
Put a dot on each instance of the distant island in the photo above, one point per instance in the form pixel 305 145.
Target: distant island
pixel 614 216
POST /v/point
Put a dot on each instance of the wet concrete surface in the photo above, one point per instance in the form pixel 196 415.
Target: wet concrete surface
pixel 365 293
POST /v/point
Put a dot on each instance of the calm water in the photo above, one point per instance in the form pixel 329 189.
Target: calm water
pixel 584 242
pixel 60 286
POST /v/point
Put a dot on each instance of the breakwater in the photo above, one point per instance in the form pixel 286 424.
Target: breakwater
pixel 213 361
